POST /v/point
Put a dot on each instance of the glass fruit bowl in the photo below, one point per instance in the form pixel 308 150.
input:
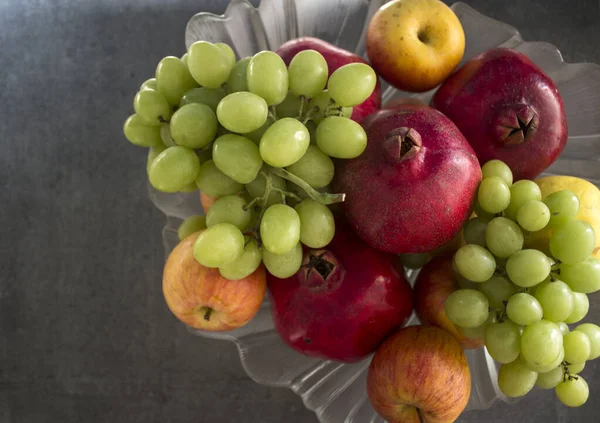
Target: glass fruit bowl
pixel 336 392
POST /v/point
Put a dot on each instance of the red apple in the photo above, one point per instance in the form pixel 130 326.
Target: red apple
pixel 343 302
pixel 436 281
pixel 336 58
pixel 201 298
pixel 419 375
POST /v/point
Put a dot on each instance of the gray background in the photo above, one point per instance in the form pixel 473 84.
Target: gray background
pixel 84 331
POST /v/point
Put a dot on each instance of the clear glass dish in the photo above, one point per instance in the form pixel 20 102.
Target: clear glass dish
pixel 334 391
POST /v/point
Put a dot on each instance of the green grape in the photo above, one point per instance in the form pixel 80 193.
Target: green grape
pixel 475 263
pixel 314 167
pixel 165 135
pixel 493 194
pixel 256 136
pixel 209 65
pixel 515 379
pixel 581 306
pixel 503 237
pixel 215 183
pixel 541 343
pixel 317 226
pixel 152 107
pixel 414 260
pixel 191 225
pixel 556 300
pixel 482 214
pixel 194 126
pixel 208 96
pixel 148 84
pixel 582 277
pixel 533 215
pixel 257 188
pixel 308 73
pixel 184 59
pixel 244 265
pixel 352 84
pixel 237 78
pixel 290 107
pixel 173 169
pixel 219 245
pixel 478 332
pixel 228 52
pixel 521 192
pixel 474 231
pixel 576 368
pixel 284 142
pixel 242 112
pixel 563 206
pixel 547 367
pixel 189 187
pixel 503 341
pixel 524 309
pixel 550 379
pixel 284 265
pixel 322 106
pixel 153 153
pixel 497 289
pixel 237 157
pixel 497 168
pixel 573 392
pixel 173 79
pixel 139 133
pixel 267 76
pixel 280 229
pixel 229 209
pixel 577 347
pixel 564 328
pixel 467 308
pixel 573 241
pixel 341 137
pixel 593 333
pixel 527 268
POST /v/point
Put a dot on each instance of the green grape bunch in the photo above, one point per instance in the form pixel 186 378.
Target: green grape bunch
pixel 523 299
pixel 257 136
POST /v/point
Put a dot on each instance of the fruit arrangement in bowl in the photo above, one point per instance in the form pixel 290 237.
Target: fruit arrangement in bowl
pixel 376 230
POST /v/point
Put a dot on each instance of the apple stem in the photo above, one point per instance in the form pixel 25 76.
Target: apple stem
pixel 208 313
pixel 421 419
pixel 319 197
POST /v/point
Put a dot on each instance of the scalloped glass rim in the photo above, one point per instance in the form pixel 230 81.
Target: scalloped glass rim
pixel 336 391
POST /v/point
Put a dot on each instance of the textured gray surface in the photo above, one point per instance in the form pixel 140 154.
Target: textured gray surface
pixel 84 331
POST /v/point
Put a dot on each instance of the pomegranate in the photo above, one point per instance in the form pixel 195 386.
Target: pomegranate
pixel 508 109
pixel 336 58
pixel 344 301
pixel 414 186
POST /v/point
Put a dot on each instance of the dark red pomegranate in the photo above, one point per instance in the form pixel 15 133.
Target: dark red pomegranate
pixel 414 186
pixel 344 302
pixel 508 109
pixel 336 58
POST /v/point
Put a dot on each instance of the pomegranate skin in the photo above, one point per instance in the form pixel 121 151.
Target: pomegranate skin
pixel 415 204
pixel 335 57
pixel 348 314
pixel 488 96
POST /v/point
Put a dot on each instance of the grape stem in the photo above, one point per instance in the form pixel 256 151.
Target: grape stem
pixel 285 194
pixel 310 114
pixel 272 114
pixel 301 110
pixel 319 197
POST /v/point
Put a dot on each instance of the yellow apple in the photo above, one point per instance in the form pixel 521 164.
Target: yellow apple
pixel 415 44
pixel 419 374
pixel 201 298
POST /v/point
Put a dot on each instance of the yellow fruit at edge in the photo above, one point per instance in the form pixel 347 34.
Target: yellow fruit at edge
pixel 589 208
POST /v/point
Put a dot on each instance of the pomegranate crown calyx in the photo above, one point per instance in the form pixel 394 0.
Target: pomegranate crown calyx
pixel 515 123
pixel 402 144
